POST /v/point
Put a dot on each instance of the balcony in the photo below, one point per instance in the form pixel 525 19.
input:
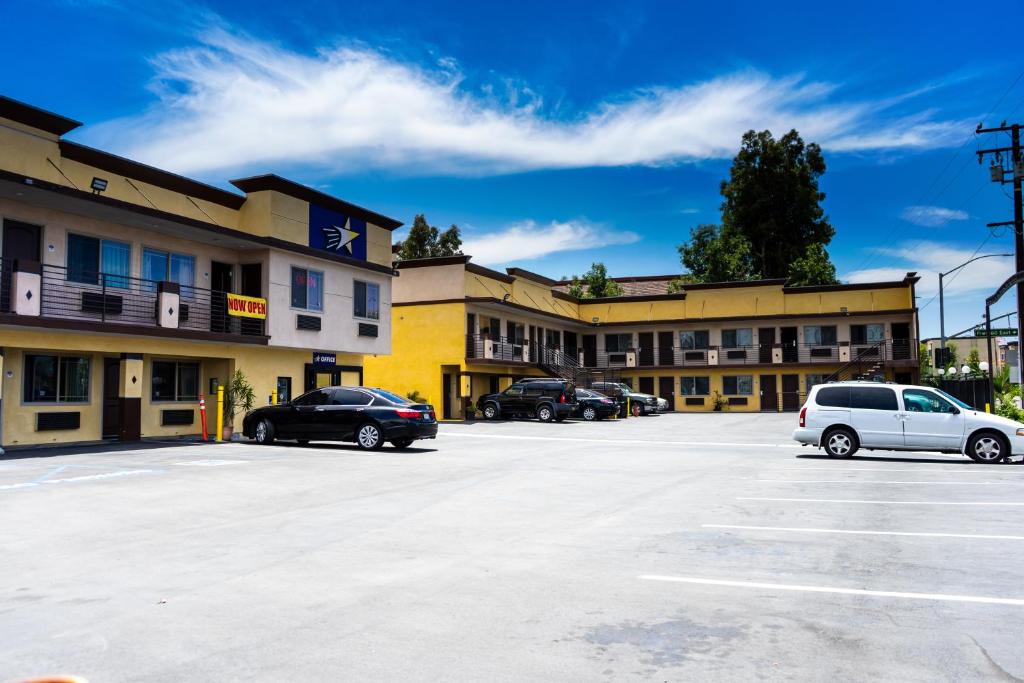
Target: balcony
pixel 110 301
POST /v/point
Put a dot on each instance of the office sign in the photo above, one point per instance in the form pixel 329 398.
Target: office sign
pixel 996 332
pixel 247 306
pixel 337 233
pixel 322 359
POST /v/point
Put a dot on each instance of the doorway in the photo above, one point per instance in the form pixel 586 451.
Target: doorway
pixel 111 398
pixel 20 241
pixel 666 354
pixel 790 351
pixel 646 343
pixel 317 377
pixel 221 275
pixel 769 397
pixel 765 343
pixel 590 350
pixel 252 285
pixel 791 393
pixel 901 342
pixel 666 390
pixel 446 396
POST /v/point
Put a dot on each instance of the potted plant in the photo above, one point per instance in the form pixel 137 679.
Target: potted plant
pixel 718 402
pixel 470 409
pixel 239 396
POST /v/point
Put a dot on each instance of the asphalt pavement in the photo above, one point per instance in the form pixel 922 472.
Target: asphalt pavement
pixel 672 547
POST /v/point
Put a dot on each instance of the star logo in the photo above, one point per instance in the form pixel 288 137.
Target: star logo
pixel 339 237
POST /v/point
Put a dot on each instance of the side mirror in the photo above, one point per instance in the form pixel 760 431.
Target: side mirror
pixel 953 410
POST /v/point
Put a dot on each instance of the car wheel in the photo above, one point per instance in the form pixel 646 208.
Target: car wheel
pixel 491 412
pixel 589 414
pixel 987 448
pixel 264 432
pixel 401 443
pixel 545 413
pixel 368 436
pixel 840 443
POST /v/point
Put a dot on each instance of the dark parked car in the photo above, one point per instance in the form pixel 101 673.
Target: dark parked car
pixel 367 416
pixel 640 404
pixel 594 406
pixel 549 399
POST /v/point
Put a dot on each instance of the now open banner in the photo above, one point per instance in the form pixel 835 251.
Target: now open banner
pixel 247 306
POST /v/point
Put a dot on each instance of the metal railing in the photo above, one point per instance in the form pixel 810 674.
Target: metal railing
pixel 76 294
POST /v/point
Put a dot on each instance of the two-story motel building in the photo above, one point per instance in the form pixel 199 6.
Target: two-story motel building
pixel 461 330
pixel 126 292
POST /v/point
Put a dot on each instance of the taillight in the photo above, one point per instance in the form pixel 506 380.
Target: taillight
pixel 561 397
pixel 803 416
pixel 411 414
pixel 607 400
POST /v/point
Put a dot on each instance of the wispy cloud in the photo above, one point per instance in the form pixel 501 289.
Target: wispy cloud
pixel 233 102
pixel 530 240
pixel 929 259
pixel 932 216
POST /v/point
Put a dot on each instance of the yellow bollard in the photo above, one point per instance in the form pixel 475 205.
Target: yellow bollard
pixel 988 408
pixel 628 408
pixel 219 436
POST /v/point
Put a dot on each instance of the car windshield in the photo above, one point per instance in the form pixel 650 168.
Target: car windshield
pixel 394 398
pixel 954 399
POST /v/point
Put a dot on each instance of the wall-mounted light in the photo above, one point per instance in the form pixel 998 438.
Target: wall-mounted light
pixel 505 298
pixel 98 185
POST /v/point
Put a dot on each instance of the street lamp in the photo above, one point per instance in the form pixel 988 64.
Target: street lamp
pixel 942 306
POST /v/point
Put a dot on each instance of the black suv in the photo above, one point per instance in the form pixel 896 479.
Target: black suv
pixel 544 399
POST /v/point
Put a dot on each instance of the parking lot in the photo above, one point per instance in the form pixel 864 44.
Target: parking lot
pixel 671 547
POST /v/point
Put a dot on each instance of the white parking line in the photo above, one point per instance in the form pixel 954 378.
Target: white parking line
pixel 878 502
pixel 832 589
pixel 872 482
pixel 213 463
pixel 980 469
pixel 84 477
pixel 630 441
pixel 862 532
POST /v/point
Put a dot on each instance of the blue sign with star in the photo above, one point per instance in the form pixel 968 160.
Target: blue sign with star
pixel 337 233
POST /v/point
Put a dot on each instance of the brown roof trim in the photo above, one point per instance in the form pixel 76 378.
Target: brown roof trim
pixel 633 278
pixel 675 296
pixel 487 272
pixel 528 309
pixel 758 318
pixel 133 330
pixel 810 289
pixel 564 296
pixel 527 275
pixel 192 222
pixel 149 174
pixel 738 283
pixel 430 302
pixel 433 261
pixel 291 188
pixel 35 117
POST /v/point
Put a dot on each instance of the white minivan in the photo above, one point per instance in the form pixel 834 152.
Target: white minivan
pixel 842 417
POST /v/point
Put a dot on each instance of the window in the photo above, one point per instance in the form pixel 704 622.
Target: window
pixel 873 398
pixel 814 379
pixel 514 390
pixel 734 339
pixel 88 257
pixel 161 266
pixel 307 289
pixel 738 385
pixel 694 339
pixel 834 397
pixel 366 300
pixel 56 379
pixel 695 386
pixel 920 401
pixel 820 335
pixel 284 389
pixel 617 343
pixel 174 381
pixel 867 334
pixel 349 397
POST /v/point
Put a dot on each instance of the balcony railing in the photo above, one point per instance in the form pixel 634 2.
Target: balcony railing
pixel 75 294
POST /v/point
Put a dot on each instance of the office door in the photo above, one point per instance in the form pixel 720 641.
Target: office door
pixel 590 350
pixel 769 397
pixel 790 393
pixel 646 342
pixel 765 342
pixel 20 241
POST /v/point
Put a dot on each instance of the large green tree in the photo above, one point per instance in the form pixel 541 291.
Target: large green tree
pixel 595 284
pixel 426 241
pixel 773 225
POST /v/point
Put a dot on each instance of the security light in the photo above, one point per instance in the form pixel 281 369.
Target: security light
pixel 98 185
pixel 951 371
pixel 940 372
pixel 965 369
pixel 983 366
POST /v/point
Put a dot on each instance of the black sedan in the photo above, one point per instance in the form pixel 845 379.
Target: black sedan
pixel 367 416
pixel 594 406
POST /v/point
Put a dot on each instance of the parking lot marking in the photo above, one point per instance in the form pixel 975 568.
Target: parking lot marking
pixel 980 469
pixel 871 481
pixel 837 590
pixel 629 441
pixel 879 502
pixel 105 475
pixel 213 463
pixel 862 532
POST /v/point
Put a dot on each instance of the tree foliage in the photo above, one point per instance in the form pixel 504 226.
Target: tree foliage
pixel 595 284
pixel 426 241
pixel 773 225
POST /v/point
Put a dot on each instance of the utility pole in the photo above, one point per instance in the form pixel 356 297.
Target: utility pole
pixel 1016 171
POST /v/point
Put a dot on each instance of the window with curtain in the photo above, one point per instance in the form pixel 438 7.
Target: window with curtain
pixel 813 379
pixel 695 386
pixel 867 334
pixel 617 343
pixel 366 300
pixel 694 339
pixel 174 381
pixel 734 339
pixel 56 379
pixel 90 258
pixel 738 385
pixel 307 289
pixel 160 266
pixel 820 335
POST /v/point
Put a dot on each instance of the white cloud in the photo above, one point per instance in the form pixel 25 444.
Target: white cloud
pixel 530 240
pixel 932 216
pixel 233 102
pixel 928 259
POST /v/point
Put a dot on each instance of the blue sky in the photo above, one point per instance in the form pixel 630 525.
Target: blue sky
pixel 558 135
